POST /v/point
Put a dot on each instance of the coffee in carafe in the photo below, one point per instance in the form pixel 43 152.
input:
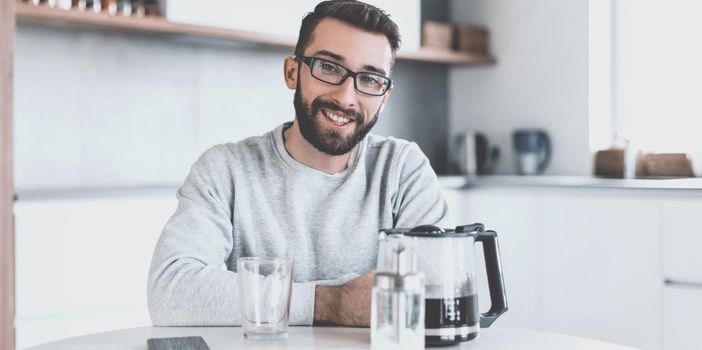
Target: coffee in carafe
pixel 451 313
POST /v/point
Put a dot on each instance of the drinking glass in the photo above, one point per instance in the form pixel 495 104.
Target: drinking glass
pixel 265 286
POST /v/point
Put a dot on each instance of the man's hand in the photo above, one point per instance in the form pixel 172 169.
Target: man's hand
pixel 345 305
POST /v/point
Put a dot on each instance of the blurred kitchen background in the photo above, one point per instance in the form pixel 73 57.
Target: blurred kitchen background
pixel 597 219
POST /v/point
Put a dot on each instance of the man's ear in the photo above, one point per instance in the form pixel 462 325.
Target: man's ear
pixel 386 97
pixel 290 66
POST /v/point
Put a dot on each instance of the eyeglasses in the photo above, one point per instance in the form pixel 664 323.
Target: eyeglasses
pixel 329 72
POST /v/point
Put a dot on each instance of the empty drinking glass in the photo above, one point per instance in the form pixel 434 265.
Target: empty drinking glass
pixel 264 288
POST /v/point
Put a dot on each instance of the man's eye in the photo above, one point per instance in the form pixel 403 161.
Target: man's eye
pixel 329 68
pixel 370 80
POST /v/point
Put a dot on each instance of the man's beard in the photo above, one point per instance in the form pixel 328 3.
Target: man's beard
pixel 328 141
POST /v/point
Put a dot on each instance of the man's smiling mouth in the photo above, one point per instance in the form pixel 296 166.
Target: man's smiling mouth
pixel 336 118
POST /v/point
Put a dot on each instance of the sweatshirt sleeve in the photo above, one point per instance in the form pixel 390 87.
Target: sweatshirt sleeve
pixel 419 198
pixel 188 284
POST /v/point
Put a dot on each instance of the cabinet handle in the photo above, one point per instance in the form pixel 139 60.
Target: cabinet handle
pixel 671 282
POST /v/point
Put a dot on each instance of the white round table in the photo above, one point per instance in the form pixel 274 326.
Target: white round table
pixel 221 338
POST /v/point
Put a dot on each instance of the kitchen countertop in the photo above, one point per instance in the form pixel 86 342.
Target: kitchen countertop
pixel 469 182
pixel 495 338
pixel 446 181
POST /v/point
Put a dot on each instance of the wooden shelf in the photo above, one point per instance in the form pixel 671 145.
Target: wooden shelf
pixel 445 57
pixel 31 14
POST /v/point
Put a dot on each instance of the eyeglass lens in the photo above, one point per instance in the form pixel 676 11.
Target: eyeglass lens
pixel 367 83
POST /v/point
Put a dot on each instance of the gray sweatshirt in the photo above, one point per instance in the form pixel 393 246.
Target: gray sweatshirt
pixel 251 198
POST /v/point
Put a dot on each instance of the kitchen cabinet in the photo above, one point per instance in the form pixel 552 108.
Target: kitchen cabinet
pixel 682 317
pixel 682 269
pixel 511 215
pixel 82 264
pixel 598 262
pixel 682 239
pixel 584 262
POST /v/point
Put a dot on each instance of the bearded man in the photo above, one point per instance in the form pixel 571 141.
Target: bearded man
pixel 316 189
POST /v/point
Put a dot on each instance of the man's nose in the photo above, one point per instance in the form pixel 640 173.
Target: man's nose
pixel 345 94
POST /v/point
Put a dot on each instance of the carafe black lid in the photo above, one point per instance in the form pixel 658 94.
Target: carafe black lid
pixel 432 231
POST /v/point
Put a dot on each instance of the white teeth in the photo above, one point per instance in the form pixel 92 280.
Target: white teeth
pixel 338 120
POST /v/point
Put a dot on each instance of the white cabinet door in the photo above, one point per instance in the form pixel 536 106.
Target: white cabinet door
pixel 682 318
pixel 599 266
pixel 682 239
pixel 510 213
pixel 82 264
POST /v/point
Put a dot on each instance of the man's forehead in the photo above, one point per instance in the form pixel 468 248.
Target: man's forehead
pixel 356 48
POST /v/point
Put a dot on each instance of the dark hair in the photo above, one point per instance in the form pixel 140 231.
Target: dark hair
pixel 355 13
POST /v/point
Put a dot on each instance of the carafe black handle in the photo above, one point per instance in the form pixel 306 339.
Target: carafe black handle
pixel 496 283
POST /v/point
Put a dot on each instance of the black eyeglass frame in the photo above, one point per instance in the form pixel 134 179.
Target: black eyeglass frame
pixel 309 61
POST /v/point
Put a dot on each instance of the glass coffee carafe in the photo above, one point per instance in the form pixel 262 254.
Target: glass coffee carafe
pixel 446 258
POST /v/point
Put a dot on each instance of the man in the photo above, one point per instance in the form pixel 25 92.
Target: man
pixel 316 190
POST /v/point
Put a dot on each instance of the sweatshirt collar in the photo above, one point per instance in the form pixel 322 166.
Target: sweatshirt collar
pixel 279 143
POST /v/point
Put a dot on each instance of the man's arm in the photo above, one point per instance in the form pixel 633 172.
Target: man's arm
pixel 348 304
pixel 419 198
pixel 188 285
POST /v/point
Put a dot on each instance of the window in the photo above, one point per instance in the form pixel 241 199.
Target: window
pixel 646 74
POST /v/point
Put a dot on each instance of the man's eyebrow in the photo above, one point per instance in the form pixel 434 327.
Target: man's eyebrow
pixel 340 58
pixel 328 53
pixel 369 68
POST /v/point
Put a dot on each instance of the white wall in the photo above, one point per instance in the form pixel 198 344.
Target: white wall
pixel 540 79
pixel 106 109
pixel 98 109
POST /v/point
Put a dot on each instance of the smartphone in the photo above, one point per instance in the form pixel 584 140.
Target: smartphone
pixel 182 343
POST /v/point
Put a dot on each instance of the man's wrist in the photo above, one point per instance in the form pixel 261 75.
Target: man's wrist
pixel 325 300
